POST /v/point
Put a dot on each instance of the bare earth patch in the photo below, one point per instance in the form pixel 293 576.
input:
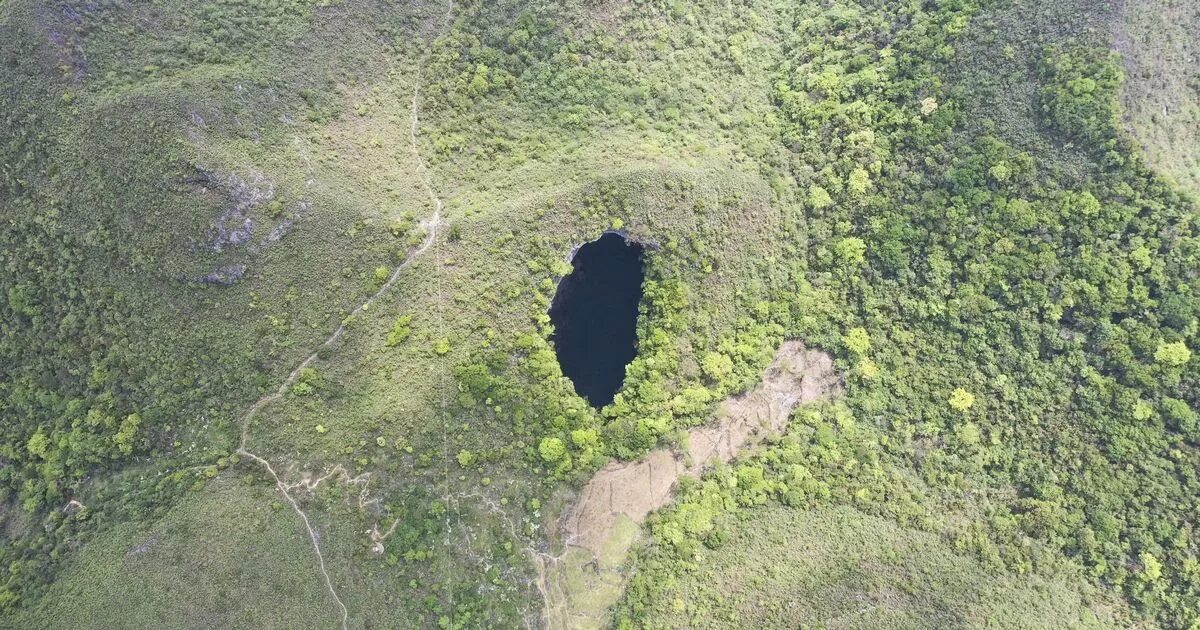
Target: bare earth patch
pixel 599 530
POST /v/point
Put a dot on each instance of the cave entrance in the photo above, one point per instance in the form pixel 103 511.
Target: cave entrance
pixel 595 314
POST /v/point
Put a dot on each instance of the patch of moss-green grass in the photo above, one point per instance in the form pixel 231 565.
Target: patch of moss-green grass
pixel 229 555
pixel 837 567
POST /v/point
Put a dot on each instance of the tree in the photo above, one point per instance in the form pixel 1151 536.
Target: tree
pixel 857 340
pixel 1151 567
pixel 819 198
pixel 867 368
pixel 1173 354
pixel 1180 415
pixel 308 381
pixel 479 81
pixel 37 444
pixel 967 433
pixel 400 331
pixel 552 449
pixel 859 182
pixel 716 366
pixel 585 438
pixel 961 400
pixel 851 251
pixel 127 433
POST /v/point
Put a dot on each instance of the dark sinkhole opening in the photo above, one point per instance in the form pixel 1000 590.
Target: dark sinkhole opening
pixel 595 314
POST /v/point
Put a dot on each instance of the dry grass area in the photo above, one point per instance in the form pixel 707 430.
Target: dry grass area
pixel 599 530
pixel 1159 41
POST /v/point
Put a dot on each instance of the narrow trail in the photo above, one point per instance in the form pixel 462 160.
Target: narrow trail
pixel 441 318
pixel 437 263
pixel 431 225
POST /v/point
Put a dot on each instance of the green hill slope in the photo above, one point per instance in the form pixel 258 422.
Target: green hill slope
pixel 838 568
pixel 277 272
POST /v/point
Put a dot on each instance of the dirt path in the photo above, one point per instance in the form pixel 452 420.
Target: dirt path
pixel 430 225
pixel 599 530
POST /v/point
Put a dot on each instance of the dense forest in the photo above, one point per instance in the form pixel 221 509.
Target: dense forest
pixel 277 274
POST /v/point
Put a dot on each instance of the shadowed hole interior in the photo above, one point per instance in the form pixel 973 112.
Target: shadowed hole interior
pixel 595 316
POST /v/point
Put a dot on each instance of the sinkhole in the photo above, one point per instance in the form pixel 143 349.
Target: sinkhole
pixel 595 312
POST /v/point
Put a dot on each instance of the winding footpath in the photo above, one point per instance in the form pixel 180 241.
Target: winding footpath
pixel 431 225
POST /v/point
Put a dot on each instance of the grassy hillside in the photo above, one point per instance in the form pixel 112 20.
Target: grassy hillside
pixel 1157 41
pixel 844 569
pixel 244 564
pixel 277 273
pixel 830 526
pixel 173 244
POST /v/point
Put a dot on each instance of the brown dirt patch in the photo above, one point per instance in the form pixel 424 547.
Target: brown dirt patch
pixel 580 585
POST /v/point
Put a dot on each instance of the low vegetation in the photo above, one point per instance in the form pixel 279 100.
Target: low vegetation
pixel 950 206
pixel 848 569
